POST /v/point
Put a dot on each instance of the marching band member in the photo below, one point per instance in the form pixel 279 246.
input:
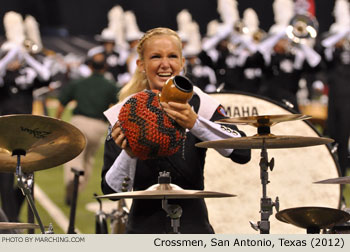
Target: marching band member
pixel 285 61
pixel 160 57
pixel 201 75
pixel 132 36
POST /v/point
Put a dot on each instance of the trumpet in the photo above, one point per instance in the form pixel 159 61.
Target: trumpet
pixel 31 46
pixel 302 27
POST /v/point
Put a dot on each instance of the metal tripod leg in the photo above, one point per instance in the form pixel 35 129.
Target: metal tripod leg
pixel 22 184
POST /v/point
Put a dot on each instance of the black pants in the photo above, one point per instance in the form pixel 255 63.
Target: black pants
pixel 339 128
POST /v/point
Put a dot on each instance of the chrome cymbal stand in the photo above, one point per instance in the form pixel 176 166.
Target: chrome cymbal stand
pixel 25 182
pixel 173 211
pixel 266 204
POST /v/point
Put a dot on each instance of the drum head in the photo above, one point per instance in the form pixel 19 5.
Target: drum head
pixel 291 179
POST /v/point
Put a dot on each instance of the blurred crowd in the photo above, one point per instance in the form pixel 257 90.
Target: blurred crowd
pixel 291 63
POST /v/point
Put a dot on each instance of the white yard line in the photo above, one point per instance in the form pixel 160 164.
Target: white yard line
pixel 52 209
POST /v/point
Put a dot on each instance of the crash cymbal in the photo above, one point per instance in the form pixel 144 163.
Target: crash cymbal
pixel 166 191
pixel 263 120
pixel 313 217
pixel 340 180
pixel 269 141
pixel 47 142
pixel 17 225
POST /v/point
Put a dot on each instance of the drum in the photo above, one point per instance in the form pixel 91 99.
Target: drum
pixel 291 180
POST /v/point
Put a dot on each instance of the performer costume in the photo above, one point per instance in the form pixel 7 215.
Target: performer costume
pixel 186 171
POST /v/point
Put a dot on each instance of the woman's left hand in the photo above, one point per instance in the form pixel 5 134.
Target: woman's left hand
pixel 182 113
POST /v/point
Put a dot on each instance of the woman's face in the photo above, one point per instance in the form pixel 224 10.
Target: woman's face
pixel 162 59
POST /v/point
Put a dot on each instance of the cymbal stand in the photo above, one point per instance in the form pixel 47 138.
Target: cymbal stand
pixel 173 211
pixel 77 174
pixel 266 204
pixel 24 182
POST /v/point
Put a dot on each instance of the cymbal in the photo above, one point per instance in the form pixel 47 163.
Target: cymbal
pixel 17 225
pixel 269 141
pixel 166 191
pixel 313 217
pixel 263 120
pixel 340 180
pixel 47 142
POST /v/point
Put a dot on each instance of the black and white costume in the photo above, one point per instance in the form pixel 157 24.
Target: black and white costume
pixel 283 71
pixel 203 76
pixel 115 60
pixel 147 216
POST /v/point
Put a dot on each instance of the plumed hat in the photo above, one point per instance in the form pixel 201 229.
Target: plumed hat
pixel 228 11
pixel 251 20
pixel 33 32
pixel 341 15
pixel 116 25
pixel 131 28
pixel 283 12
pixel 14 30
pixel 148 129
pixel 188 31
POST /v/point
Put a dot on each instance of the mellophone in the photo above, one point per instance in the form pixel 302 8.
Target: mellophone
pixel 34 143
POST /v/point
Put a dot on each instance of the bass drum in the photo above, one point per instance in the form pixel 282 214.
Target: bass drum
pixel 291 180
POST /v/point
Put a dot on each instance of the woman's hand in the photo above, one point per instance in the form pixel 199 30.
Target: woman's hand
pixel 120 140
pixel 183 114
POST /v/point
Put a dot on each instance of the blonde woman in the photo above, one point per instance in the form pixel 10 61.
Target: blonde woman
pixel 160 57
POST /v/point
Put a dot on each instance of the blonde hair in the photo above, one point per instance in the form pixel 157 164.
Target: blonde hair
pixel 139 81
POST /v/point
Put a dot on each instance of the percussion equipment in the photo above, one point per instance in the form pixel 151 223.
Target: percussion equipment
pixel 148 129
pixel 44 141
pixel 269 141
pixel 100 219
pixel 292 178
pixel 177 89
pixel 313 218
pixel 263 120
pixel 166 191
pixel 17 225
pixel 341 228
pixel 340 180
pixel 261 141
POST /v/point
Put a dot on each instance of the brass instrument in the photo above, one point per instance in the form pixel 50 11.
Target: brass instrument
pixel 301 27
pixel 240 27
pixel 31 46
pixel 259 35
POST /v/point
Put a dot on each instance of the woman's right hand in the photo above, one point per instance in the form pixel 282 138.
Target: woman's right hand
pixel 120 140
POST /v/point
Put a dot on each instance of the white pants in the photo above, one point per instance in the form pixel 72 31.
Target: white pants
pixel 94 131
